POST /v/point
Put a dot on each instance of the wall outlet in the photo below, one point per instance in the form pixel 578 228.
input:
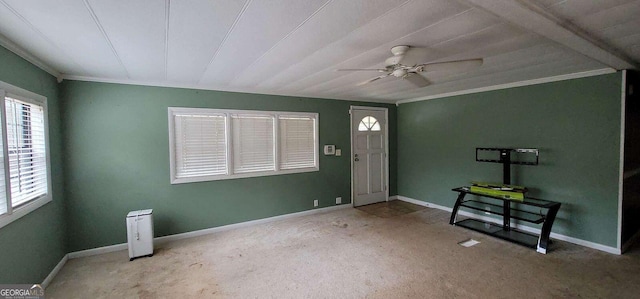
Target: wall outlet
pixel 338 200
pixel 315 202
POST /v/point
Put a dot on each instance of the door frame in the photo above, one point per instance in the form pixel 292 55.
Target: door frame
pixel 386 147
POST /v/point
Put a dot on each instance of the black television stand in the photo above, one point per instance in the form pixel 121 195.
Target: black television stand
pixel 505 231
pixel 499 205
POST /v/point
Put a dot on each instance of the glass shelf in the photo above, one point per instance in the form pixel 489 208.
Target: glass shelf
pixel 498 231
pixel 497 210
pixel 536 202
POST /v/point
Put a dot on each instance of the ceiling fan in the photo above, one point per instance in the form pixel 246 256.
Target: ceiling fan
pixel 404 64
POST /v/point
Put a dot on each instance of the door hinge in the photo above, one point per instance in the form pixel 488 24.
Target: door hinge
pixel 385 187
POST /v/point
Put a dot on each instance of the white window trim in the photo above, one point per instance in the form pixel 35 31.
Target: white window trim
pixel 178 110
pixel 30 97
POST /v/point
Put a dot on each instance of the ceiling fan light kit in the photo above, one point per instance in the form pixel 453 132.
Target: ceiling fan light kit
pixel 403 65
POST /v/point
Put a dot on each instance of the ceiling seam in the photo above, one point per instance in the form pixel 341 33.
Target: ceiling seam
pixel 616 6
pixel 281 40
pixel 469 34
pixel 349 33
pixel 572 27
pixel 576 34
pixel 42 35
pixel 618 25
pixel 226 36
pixel 374 49
pixel 105 35
pixel 167 10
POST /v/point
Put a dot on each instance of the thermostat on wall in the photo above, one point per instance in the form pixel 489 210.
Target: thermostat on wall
pixel 329 149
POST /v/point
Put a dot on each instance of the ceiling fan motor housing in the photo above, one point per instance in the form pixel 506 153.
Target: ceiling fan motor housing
pixel 399 50
pixel 399 73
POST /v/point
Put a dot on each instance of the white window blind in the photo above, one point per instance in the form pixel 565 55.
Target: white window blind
pixel 26 150
pixel 297 142
pixel 24 153
pixel 218 144
pixel 200 145
pixel 252 143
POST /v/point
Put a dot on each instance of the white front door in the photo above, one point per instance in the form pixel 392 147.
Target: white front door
pixel 369 155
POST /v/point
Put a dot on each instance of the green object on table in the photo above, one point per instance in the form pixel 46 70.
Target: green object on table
pixel 515 194
pixel 498 185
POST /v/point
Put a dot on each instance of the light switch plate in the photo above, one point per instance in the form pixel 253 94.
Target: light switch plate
pixel 338 152
pixel 329 150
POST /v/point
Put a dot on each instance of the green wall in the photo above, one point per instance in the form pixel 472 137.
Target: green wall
pixel 574 123
pixel 31 246
pixel 117 160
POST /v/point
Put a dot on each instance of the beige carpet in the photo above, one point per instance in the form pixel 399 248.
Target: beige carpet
pixel 390 208
pixel 352 254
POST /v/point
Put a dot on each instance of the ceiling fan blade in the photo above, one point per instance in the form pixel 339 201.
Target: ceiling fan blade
pixel 350 70
pixel 452 66
pixel 371 80
pixel 417 79
pixel 414 56
pixel 393 60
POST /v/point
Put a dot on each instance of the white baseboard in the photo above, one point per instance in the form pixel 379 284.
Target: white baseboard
pixel 99 250
pixel 423 203
pixel 557 236
pixel 207 231
pixel 54 272
pixel 630 242
pixel 202 232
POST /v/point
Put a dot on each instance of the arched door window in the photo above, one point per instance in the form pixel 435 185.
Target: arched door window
pixel 369 123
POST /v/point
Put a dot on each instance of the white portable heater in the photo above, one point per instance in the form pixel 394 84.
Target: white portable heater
pixel 140 233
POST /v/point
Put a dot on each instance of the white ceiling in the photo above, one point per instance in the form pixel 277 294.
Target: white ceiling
pixel 292 47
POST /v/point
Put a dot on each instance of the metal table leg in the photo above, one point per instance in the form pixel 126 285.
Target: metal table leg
pixel 543 240
pixel 454 212
pixel 506 215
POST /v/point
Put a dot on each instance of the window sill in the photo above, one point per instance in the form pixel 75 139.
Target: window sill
pixel 241 175
pixel 17 213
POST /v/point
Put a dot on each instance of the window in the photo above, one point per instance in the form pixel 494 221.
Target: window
pixel 24 164
pixel 201 144
pixel 369 123
pixel 252 143
pixel 214 144
pixel 297 146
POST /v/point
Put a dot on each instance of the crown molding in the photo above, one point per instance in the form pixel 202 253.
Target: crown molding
pixel 15 49
pixel 203 87
pixel 512 85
